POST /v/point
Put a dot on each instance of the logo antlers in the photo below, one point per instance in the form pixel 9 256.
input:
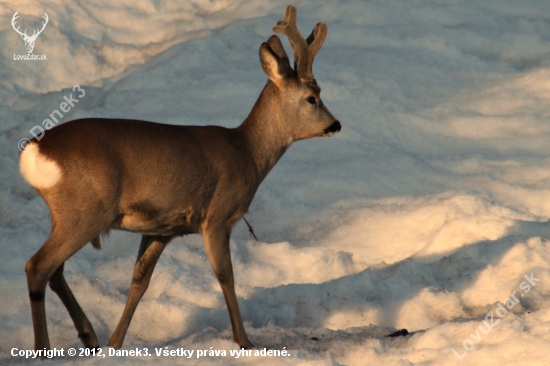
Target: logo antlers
pixel 29 40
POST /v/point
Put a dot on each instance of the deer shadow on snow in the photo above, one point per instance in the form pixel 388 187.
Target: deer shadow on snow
pixel 380 288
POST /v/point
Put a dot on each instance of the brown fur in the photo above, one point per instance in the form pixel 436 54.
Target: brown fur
pixel 163 181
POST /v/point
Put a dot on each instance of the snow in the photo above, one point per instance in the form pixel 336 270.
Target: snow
pixel 424 213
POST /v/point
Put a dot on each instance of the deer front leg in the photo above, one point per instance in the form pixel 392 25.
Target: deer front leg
pixel 216 244
pixel 149 252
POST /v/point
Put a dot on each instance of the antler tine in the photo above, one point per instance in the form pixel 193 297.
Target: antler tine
pixel 43 24
pixel 13 19
pixel 287 27
pixel 315 41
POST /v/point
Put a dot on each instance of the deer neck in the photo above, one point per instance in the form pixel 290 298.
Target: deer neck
pixel 265 130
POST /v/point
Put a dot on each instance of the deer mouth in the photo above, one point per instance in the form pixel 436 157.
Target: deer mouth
pixel 332 129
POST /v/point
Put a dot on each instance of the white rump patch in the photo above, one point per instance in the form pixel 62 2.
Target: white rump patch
pixel 38 170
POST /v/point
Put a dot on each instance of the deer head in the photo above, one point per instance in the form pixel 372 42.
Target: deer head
pixel 297 88
pixel 29 40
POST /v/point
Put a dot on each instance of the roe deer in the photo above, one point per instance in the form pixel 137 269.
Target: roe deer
pixel 163 181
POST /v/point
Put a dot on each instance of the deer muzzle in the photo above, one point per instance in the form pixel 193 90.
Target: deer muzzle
pixel 333 128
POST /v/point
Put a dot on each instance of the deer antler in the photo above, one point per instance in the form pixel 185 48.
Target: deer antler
pixel 13 19
pixel 43 24
pixel 34 34
pixel 304 51
pixel 315 41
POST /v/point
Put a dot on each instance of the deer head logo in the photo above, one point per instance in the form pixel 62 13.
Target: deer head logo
pixel 29 40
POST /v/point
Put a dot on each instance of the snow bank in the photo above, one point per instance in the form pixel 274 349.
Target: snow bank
pixel 426 212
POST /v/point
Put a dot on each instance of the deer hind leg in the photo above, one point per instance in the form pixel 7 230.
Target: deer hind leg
pixel 47 263
pixel 81 323
pixel 149 252
pixel 216 243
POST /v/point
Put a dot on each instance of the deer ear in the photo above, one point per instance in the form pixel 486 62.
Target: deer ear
pixel 277 47
pixel 276 68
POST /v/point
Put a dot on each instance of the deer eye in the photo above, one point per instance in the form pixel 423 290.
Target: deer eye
pixel 311 100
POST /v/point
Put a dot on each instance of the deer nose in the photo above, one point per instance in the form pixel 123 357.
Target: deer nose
pixel 334 127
